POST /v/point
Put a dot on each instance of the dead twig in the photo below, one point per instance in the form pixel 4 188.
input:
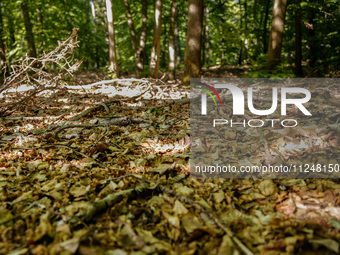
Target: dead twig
pixel 117 121
pixel 111 199
pixel 31 71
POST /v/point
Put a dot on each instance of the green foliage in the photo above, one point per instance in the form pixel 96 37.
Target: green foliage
pixel 237 33
pixel 280 72
pixel 258 70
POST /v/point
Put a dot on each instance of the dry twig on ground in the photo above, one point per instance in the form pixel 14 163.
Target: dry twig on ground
pixel 32 71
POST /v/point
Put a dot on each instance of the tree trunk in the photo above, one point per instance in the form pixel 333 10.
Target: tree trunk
pixel 311 39
pixel 2 46
pixel 172 54
pixel 112 39
pixel 246 45
pixel 138 48
pixel 40 33
pixel 205 43
pixel 131 26
pixel 240 56
pixel 87 40
pixel 298 40
pixel 29 32
pixel 94 19
pixel 11 28
pixel 264 36
pixel 177 41
pixel 276 33
pixel 255 21
pixel 142 40
pixel 192 58
pixel 207 38
pixel 154 61
pixel 222 52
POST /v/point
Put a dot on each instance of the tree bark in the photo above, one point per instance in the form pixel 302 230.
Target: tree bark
pixel 246 45
pixel 254 15
pixel 311 39
pixel 138 48
pixel 2 46
pixel 205 50
pixel 29 31
pixel 40 33
pixel 192 58
pixel 11 28
pixel 223 52
pixel 142 39
pixel 264 35
pixel 131 26
pixel 154 61
pixel 177 41
pixel 240 56
pixel 172 54
pixel 94 19
pixel 87 40
pixel 276 34
pixel 112 39
pixel 298 39
pixel 207 37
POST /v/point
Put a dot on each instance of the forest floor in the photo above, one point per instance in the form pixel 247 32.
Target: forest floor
pixel 104 169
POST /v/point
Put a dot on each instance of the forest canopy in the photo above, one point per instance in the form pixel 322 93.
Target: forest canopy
pixel 232 33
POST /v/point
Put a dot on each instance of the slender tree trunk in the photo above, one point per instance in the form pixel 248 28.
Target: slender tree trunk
pixel 298 40
pixel 106 30
pixel 94 19
pixel 240 56
pixel 276 34
pixel 2 46
pixel 207 37
pixel 142 40
pixel 138 48
pixel 29 32
pixel 177 41
pixel 87 41
pixel 11 28
pixel 222 52
pixel 163 63
pixel 40 34
pixel 255 21
pixel 246 44
pixel 131 26
pixel 93 13
pixel 203 44
pixel 311 38
pixel 154 61
pixel 264 36
pixel 172 54
pixel 192 59
pixel 112 39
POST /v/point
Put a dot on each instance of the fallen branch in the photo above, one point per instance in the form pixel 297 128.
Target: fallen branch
pixel 31 71
pixel 116 121
pixel 111 199
pixel 105 82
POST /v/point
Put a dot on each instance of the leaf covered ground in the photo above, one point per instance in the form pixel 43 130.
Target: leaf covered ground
pixel 90 170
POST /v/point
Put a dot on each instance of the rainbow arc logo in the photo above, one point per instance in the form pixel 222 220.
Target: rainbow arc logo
pixel 209 93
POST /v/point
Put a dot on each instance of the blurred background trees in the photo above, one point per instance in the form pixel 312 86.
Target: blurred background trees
pixel 294 37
